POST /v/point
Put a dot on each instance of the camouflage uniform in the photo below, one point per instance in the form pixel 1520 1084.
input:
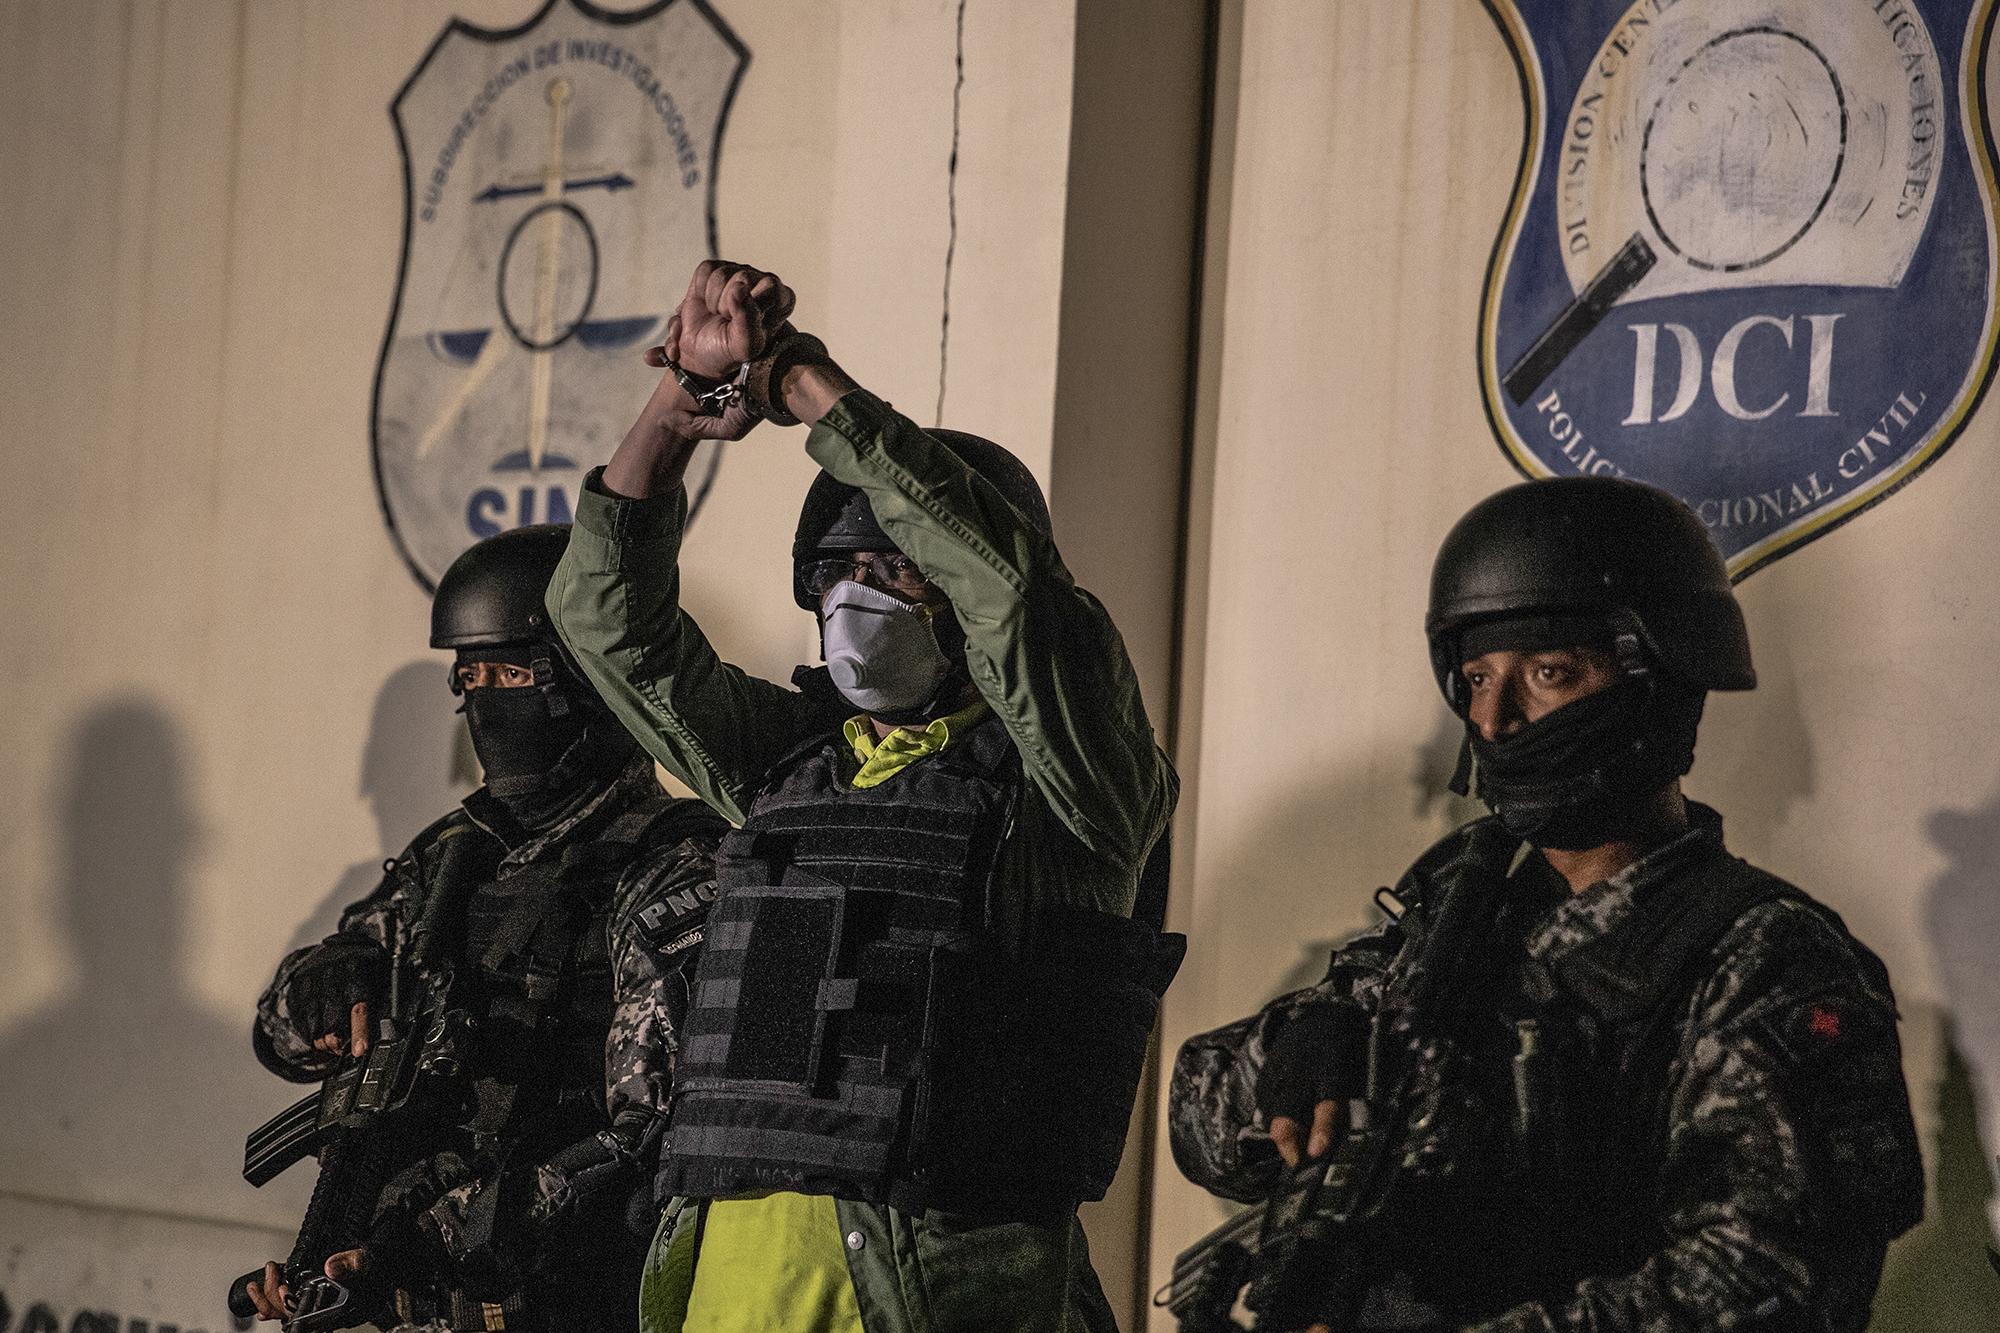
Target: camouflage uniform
pixel 1722 1140
pixel 519 1207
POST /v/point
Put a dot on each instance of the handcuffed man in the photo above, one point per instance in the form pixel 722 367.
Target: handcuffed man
pixel 918 1025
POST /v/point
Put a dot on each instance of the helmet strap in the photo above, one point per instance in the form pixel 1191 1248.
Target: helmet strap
pixel 1461 773
pixel 553 695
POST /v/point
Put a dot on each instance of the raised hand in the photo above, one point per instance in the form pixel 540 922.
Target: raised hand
pixel 727 317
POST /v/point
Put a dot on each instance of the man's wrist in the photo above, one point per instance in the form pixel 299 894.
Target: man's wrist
pixel 669 425
pixel 654 455
pixel 704 395
pixel 764 377
pixel 811 391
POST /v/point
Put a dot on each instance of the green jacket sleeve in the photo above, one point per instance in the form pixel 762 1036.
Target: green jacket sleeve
pixel 1042 651
pixel 615 601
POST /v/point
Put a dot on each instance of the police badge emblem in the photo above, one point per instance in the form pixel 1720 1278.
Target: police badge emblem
pixel 559 185
pixel 1750 255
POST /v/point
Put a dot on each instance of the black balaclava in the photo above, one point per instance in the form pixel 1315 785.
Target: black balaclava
pixel 1568 780
pixel 545 749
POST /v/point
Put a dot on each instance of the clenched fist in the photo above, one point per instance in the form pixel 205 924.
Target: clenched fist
pixel 727 317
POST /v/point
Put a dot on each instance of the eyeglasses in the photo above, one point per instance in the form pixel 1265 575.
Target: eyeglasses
pixel 888 570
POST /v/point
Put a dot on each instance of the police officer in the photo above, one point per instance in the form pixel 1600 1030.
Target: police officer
pixel 574 891
pixel 918 1027
pixel 1632 1081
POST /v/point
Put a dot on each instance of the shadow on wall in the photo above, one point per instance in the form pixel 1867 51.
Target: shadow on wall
pixel 1304 832
pixel 1278 874
pixel 1937 1279
pixel 1756 750
pixel 417 763
pixel 1962 914
pixel 109 1088
pixel 1434 811
pixel 1432 801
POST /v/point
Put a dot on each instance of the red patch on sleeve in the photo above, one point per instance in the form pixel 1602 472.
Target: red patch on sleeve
pixel 1823 1023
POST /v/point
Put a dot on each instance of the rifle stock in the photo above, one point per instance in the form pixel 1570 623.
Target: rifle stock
pixel 1302 1253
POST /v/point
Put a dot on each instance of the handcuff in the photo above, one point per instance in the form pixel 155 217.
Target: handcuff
pixel 755 383
pixel 711 397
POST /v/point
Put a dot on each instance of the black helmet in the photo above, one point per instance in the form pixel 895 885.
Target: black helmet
pixel 493 591
pixel 836 517
pixel 1597 546
pixel 493 595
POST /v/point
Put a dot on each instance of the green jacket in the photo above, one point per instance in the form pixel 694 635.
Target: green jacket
pixel 1046 657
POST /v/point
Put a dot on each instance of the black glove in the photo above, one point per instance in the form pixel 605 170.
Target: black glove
pixel 602 1183
pixel 487 1230
pixel 323 990
pixel 1320 1054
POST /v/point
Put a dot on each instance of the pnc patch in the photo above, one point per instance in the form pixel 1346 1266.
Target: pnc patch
pixel 1750 252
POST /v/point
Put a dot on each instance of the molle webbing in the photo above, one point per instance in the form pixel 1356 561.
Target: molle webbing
pixel 538 937
pixel 856 1029
pixel 801 1058
pixel 1633 991
pixel 529 930
pixel 1638 981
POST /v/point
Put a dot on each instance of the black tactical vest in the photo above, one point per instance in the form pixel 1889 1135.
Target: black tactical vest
pixel 857 1030
pixel 532 951
pixel 1554 1178
pixel 530 944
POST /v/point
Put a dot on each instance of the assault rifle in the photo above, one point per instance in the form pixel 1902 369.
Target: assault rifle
pixel 370 1118
pixel 1306 1254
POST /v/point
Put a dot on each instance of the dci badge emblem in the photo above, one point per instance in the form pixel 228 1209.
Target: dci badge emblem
pixel 1750 252
pixel 559 184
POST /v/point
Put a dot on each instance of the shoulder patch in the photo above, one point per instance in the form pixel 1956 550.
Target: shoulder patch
pixel 1843 1075
pixel 666 895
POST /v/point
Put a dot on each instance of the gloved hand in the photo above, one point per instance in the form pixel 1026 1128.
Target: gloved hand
pixel 480 1226
pixel 329 996
pixel 1319 1058
pixel 590 1177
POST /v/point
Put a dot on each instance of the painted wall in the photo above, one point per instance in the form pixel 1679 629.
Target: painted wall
pixel 225 716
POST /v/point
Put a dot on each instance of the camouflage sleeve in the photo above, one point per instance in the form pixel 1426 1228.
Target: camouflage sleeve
pixel 656 932
pixel 1791 1157
pixel 368 923
pixel 1212 1121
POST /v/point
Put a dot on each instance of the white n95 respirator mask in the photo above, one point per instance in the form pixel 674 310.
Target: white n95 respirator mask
pixel 881 651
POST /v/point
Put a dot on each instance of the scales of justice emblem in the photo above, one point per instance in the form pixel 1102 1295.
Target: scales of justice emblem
pixel 559 187
pixel 1750 254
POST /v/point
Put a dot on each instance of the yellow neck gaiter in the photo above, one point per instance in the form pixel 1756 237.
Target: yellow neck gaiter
pixel 882 759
